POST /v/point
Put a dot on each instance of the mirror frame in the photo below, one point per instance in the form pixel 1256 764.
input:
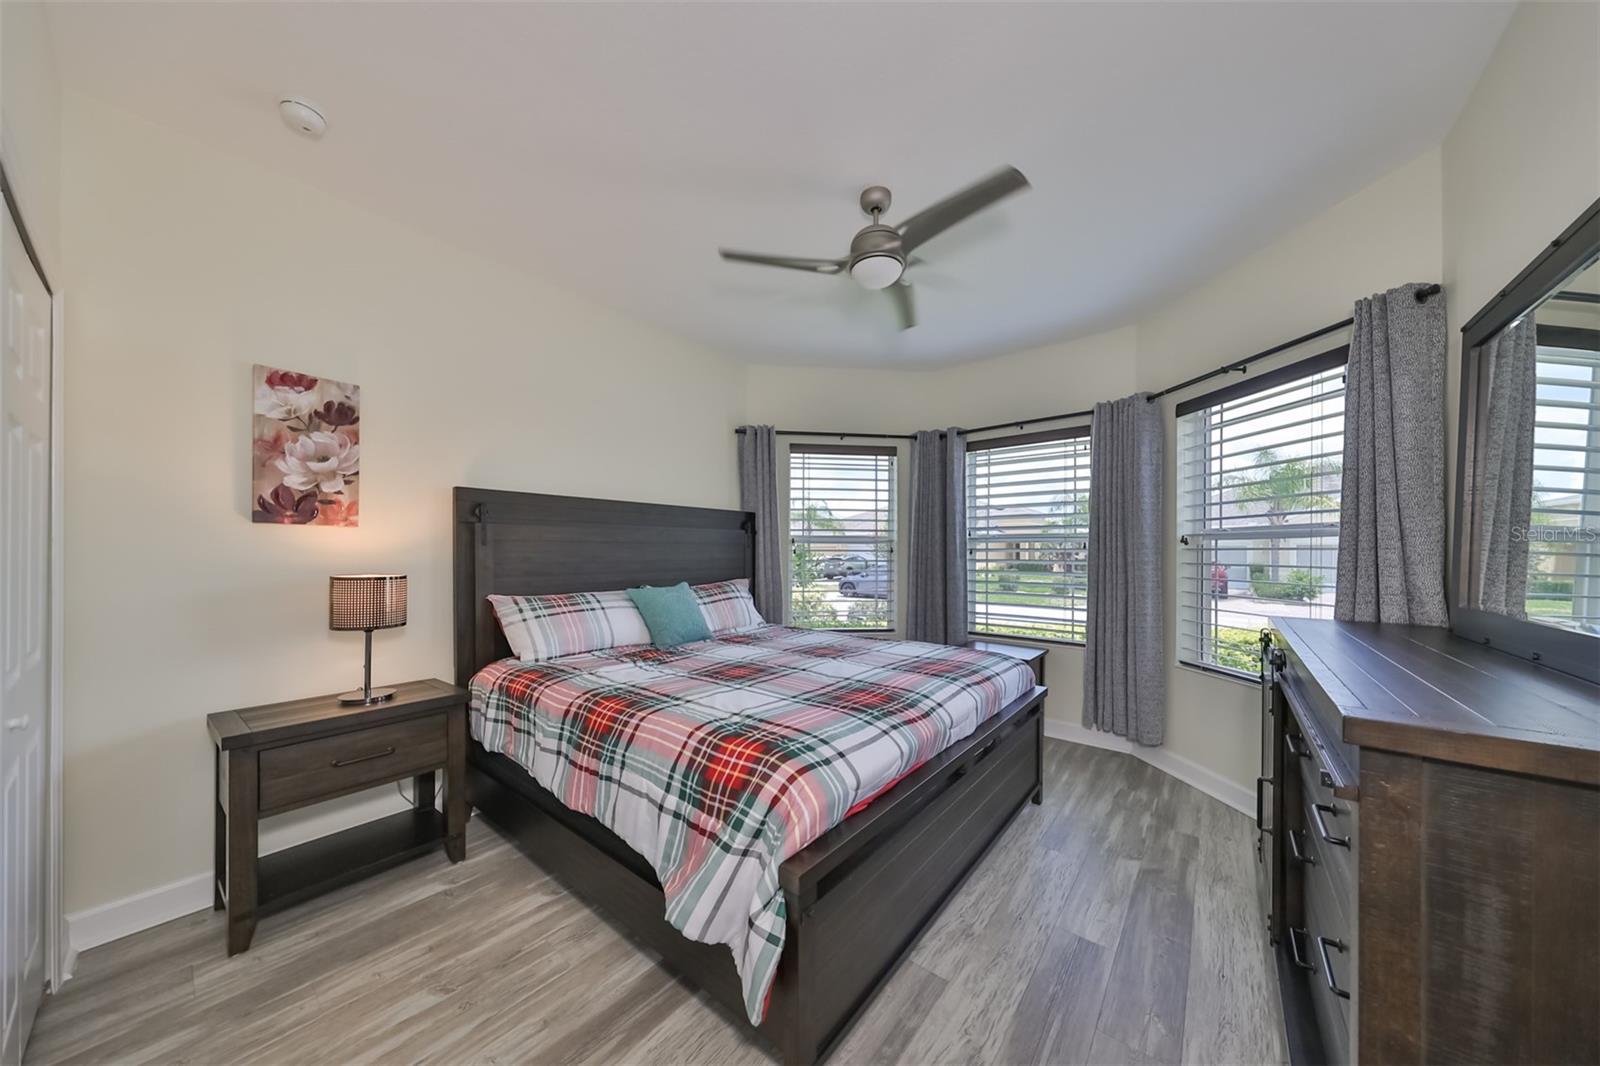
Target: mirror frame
pixel 1561 649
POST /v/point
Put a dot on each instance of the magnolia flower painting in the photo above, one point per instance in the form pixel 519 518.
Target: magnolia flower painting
pixel 306 460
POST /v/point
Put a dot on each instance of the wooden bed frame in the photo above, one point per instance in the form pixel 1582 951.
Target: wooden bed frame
pixel 857 898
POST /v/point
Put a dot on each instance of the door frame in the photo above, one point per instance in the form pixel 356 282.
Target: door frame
pixel 59 957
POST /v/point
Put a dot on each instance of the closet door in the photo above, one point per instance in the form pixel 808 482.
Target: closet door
pixel 24 634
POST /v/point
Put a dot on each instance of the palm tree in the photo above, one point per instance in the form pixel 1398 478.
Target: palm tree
pixel 1290 486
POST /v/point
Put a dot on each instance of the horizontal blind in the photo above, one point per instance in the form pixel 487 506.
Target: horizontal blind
pixel 1258 514
pixel 842 528
pixel 1564 541
pixel 1027 537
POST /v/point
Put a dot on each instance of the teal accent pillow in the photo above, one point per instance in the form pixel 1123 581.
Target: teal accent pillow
pixel 672 615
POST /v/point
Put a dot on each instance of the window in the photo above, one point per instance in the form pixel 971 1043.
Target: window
pixel 1258 509
pixel 1563 553
pixel 1027 535
pixel 841 523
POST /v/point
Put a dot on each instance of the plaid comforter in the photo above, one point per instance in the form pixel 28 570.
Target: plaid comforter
pixel 719 759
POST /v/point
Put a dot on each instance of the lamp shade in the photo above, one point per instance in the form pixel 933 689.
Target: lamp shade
pixel 366 601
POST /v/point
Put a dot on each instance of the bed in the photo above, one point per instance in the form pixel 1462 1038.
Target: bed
pixel 856 897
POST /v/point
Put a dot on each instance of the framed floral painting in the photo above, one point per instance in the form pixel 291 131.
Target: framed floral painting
pixel 306 457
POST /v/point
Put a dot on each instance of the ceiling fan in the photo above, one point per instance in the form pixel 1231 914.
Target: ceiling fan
pixel 879 253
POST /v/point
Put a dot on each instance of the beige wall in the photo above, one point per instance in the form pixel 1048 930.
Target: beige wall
pixel 30 136
pixel 185 266
pixel 1521 162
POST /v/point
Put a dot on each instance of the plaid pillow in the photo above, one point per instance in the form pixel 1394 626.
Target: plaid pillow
pixel 727 606
pixel 545 627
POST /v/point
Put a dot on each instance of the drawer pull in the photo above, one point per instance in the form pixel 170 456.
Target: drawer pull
pixel 988 749
pixel 1317 811
pixel 363 758
pixel 1296 852
pixel 1323 944
pixel 1295 954
pixel 1297 745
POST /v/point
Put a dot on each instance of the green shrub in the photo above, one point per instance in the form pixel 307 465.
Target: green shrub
pixel 1032 567
pixel 1299 585
pixel 1550 586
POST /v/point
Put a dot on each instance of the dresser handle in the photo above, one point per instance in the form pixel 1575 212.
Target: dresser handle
pixel 1317 811
pixel 1296 852
pixel 1323 944
pixel 1297 745
pixel 1295 954
pixel 363 758
pixel 987 750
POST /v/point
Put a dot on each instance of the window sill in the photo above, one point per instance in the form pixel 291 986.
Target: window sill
pixel 1003 637
pixel 1221 674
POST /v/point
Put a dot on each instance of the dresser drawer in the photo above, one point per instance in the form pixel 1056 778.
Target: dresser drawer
pixel 1329 820
pixel 1331 944
pixel 320 769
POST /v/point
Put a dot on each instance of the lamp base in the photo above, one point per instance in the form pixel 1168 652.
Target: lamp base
pixel 379 695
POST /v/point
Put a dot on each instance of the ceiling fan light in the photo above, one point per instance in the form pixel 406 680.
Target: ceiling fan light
pixel 876 271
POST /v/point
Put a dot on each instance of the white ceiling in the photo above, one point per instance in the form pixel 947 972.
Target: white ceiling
pixel 613 148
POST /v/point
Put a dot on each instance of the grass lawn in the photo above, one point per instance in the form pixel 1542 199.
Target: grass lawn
pixel 1551 608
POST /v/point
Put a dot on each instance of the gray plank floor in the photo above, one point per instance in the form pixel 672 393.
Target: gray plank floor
pixel 1115 924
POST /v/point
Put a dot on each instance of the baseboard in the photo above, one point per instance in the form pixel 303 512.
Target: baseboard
pixel 119 918
pixel 1188 771
pixel 110 921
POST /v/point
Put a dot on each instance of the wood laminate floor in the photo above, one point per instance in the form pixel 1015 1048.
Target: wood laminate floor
pixel 1116 923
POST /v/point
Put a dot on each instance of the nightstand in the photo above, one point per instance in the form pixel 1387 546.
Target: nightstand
pixel 1026 653
pixel 284 756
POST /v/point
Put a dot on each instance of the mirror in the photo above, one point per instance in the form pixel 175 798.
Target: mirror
pixel 1529 488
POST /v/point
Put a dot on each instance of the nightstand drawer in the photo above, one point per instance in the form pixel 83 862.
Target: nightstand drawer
pixel 331 766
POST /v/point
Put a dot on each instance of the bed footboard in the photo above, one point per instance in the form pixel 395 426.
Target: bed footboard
pixel 857 898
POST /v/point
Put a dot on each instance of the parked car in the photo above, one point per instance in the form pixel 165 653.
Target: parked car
pixel 872 583
pixel 1219 581
pixel 840 565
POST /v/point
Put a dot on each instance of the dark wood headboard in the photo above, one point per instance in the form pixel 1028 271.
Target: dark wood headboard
pixel 529 544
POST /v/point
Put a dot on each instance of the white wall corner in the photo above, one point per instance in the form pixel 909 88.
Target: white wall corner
pixel 1188 771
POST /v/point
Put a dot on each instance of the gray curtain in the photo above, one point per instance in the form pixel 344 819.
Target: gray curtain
pixel 1502 470
pixel 1391 503
pixel 758 492
pixel 936 570
pixel 1125 665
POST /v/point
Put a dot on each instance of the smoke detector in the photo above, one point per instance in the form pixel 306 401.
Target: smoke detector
pixel 303 118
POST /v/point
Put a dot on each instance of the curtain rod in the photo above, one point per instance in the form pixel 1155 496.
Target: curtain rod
pixel 1240 365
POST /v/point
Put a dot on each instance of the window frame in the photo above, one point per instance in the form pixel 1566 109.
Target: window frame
pixel 1561 649
pixel 1042 436
pixel 1299 370
pixel 892 517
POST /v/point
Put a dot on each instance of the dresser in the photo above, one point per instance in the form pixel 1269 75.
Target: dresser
pixel 1429 841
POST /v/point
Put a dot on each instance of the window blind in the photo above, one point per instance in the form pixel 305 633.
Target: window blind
pixel 1564 539
pixel 842 528
pixel 1258 511
pixel 1027 535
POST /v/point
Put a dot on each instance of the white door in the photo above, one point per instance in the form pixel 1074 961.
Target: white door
pixel 24 635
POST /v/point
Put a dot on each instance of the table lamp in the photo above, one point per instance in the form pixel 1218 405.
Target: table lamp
pixel 366 602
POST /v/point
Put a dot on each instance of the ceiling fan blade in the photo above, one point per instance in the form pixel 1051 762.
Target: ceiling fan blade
pixel 932 221
pixel 815 266
pixel 900 291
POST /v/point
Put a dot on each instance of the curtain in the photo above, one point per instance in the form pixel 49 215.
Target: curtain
pixel 758 492
pixel 1125 667
pixel 936 571
pixel 1502 469
pixel 1391 500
